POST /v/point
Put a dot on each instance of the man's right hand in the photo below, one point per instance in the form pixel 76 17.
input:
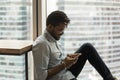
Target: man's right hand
pixel 71 59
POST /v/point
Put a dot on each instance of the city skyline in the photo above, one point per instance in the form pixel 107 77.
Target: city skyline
pixel 15 20
pixel 96 22
pixel 15 24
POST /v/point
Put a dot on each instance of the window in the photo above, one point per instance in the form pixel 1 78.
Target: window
pixel 16 19
pixel 16 23
pixel 94 21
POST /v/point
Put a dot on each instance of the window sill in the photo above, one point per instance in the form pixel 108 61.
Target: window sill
pixel 15 47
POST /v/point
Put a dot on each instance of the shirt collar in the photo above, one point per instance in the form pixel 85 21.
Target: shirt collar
pixel 49 37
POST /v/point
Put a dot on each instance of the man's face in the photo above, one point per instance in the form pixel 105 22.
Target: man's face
pixel 57 31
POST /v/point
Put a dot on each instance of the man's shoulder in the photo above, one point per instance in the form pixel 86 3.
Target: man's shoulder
pixel 41 40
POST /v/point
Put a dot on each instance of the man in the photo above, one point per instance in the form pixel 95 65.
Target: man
pixel 49 60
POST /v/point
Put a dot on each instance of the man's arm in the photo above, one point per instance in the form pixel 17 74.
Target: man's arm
pixel 41 59
pixel 67 62
pixel 55 70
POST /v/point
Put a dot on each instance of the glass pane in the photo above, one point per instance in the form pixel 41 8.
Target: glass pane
pixel 94 21
pixel 12 67
pixel 15 24
pixel 16 19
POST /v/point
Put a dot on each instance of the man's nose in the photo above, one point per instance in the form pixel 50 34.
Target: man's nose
pixel 61 33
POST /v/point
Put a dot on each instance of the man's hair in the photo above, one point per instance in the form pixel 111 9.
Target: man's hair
pixel 57 17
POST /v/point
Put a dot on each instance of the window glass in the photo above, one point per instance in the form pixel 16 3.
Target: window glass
pixel 15 24
pixel 96 22
pixel 16 19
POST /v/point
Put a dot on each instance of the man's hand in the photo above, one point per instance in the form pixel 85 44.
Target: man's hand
pixel 71 59
pixel 67 62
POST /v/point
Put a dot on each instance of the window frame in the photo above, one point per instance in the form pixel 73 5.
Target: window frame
pixel 39 17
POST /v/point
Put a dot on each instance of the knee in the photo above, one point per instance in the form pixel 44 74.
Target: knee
pixel 87 45
pixel 87 48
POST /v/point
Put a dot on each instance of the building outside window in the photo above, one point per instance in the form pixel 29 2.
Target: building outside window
pixel 96 22
pixel 15 19
pixel 15 24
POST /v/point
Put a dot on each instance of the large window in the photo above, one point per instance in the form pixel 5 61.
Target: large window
pixel 15 24
pixel 94 21
pixel 16 19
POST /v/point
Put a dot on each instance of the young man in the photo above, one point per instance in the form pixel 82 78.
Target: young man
pixel 49 62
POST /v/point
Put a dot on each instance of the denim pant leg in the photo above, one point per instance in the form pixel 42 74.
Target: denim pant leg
pixel 73 79
pixel 89 53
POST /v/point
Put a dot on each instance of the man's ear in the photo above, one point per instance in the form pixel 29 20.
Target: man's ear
pixel 50 26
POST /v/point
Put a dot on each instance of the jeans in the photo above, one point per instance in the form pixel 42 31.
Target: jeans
pixel 89 53
pixel 73 79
